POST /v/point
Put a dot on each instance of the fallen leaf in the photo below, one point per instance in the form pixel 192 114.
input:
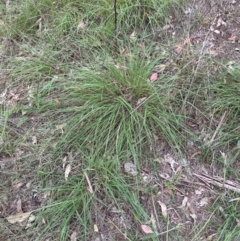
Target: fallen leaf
pixel 141 100
pixel 192 212
pixel 31 219
pixel 74 236
pixel 169 159
pixel 203 202
pixel 161 67
pixel 146 229
pixel 194 217
pixel 43 221
pixel 166 27
pixel 163 208
pixel 67 171
pixel 153 77
pixel 153 221
pixel 64 162
pixel 34 140
pixel 95 228
pixel 81 25
pixel 219 21
pixel 130 168
pixel 184 202
pixel 133 37
pixel 210 237
pixel 18 218
pixel 221 210
pixel 238 222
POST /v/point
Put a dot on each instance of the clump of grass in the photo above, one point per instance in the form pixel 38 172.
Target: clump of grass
pixel 73 207
pixel 225 101
pixel 121 111
pixel 62 17
pixel 222 223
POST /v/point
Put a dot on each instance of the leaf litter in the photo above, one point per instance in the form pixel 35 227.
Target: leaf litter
pixel 146 229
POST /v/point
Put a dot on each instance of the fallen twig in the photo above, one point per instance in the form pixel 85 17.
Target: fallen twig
pixel 218 127
pixel 219 182
pixel 90 189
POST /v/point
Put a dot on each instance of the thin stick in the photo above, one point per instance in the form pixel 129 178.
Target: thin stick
pixel 120 231
pixel 218 127
pixel 115 15
pixel 217 181
pixel 90 189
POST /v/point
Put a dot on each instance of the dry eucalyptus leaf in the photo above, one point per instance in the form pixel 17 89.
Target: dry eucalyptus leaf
pixel 146 229
pixel 141 100
pixel 184 202
pixel 133 37
pixel 220 22
pixel 18 218
pixel 153 221
pixel 163 208
pixel 95 228
pixel 161 67
pixel 211 237
pixel 67 171
pixel 64 162
pixel 74 236
pixel 34 140
pixel 81 25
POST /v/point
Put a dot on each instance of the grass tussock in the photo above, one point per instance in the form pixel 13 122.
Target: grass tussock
pixel 122 110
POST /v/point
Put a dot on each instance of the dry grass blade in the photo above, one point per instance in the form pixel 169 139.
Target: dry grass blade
pixel 90 189
pixel 218 127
